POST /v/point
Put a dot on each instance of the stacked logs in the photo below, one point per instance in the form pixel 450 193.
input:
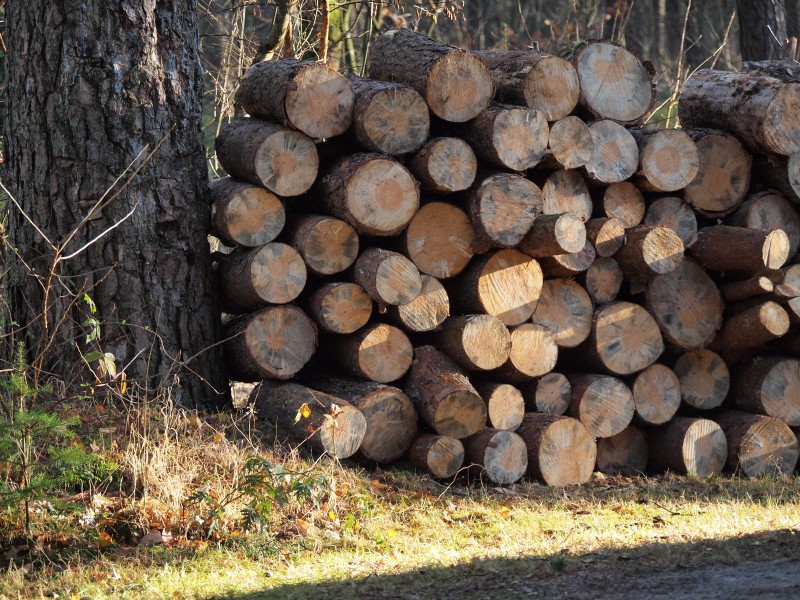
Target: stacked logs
pixel 484 259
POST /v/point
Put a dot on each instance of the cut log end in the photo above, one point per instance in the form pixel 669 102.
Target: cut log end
pixel 566 310
pixel 623 454
pixel 603 280
pixel 442 456
pixel 615 155
pixel 561 450
pixel 391 424
pixel 395 120
pixel 459 87
pixel 427 311
pixel 445 165
pixel 570 142
pixel 244 214
pixel 606 234
pixel 439 240
pixel 534 353
pixel 381 353
pixel 759 445
pixel 668 160
pixel 476 342
pixel 603 404
pixel 320 103
pixel 656 395
pixel 672 212
pixel 551 87
pixel 505 404
pixel 550 394
pixel 626 338
pixel 502 455
pixel 704 378
pixel 327 244
pixel 341 307
pixel 694 447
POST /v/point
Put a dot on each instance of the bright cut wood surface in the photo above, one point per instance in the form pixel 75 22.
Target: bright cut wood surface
pixel 694 447
pixel 704 378
pixel 625 338
pixel 758 445
pixel 561 451
pixel 668 160
pixel 603 404
pixel 378 352
pixel 327 244
pixel 770 386
pixel 427 311
pixel 440 455
pixel 656 395
pixel 566 310
pixel 244 214
pixel 501 455
pixel 476 342
pixel 444 165
pixel 340 307
pixel 439 240
pixel 623 454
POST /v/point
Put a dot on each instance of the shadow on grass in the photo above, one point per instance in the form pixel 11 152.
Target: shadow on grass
pixel 753 567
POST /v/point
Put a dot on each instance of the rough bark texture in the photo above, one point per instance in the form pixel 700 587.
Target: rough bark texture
pixel 649 252
pixel 91 87
pixel 779 172
pixel 763 28
pixel 694 447
pixel 758 445
pixel 749 329
pixel 726 248
pixel 561 451
pixel 623 454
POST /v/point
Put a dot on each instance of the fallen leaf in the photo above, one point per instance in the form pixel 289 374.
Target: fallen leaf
pixel 104 540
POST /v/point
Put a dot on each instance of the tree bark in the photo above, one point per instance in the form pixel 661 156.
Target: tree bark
pixel 762 28
pixel 91 89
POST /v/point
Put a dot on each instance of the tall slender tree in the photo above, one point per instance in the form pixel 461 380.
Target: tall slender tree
pixel 762 28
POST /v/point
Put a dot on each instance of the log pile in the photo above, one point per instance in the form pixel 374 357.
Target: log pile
pixel 484 260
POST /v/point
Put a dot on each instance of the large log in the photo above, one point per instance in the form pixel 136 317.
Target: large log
pixel 378 352
pixel 571 144
pixel 443 396
pixel 533 353
pixel 614 83
pixel 656 395
pixel 687 306
pixel 444 165
pixel 649 252
pixel 439 240
pixel 767 210
pixel 704 378
pixel 282 160
pixel 615 156
pixel 329 424
pixel 603 280
pixel 606 235
pixel 724 174
pixel 603 404
pixel 509 137
pixel 244 214
pixel 305 95
pixel 668 160
pixel 550 394
pixel 391 421
pixel 275 343
pixel 770 385
pixel 694 447
pixel 554 234
pixel 673 212
pixel 623 454
pixel 252 278
pixel 779 172
pixel 387 277
pixel 373 192
pixel 548 84
pixel 476 342
pixel 440 455
pixel 340 307
pixel 328 245
pixel 505 284
pixel 501 455
pixel 503 207
pixel 565 191
pixel 454 83
pixel 388 117
pixel 745 289
pixel 624 201
pixel 762 111
pixel 561 451
pixel 504 403
pixel 425 312
pixel 566 310
pixel 758 445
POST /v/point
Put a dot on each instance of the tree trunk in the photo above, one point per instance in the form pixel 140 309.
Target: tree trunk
pixel 704 378
pixel 779 172
pixel 726 248
pixel 561 451
pixel 758 445
pixel 736 291
pixel 694 447
pixel 92 88
pixel 749 329
pixel 762 28
pixel 649 252
pixel 623 454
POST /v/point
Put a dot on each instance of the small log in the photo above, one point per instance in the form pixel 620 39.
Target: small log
pixel 444 165
pixel 668 160
pixel 687 306
pixel 443 396
pixel 554 234
pixel 505 284
pixel 566 310
pixel 561 451
pixel 425 312
pixel 767 211
pixel 615 156
pixel 570 144
pixel 509 137
pixel 694 447
pixel 504 403
pixel 750 329
pixel 724 174
pixel 568 265
pixel 758 445
pixel 340 307
pixel 501 454
pixel 624 201
pixel 603 404
pixel 533 353
pixel 758 109
pixel 440 455
pixel 649 252
pixel 454 83
pixel 327 244
pixel 391 421
pixel 282 160
pixel 373 192
pixel 704 378
pixel 252 278
pixel 387 277
pixel 550 394
pixel 275 342
pixel 603 280
pixel 779 172
pixel 379 352
pixel 388 117
pixel 243 214
pixel 565 191
pixel 333 425
pixel 674 213
pixel 503 208
pixel 787 284
pixel 475 342
pixel 439 240
pixel 770 385
pixel 304 95
pixel 624 93
pixel 656 395
pixel 623 454
pixel 548 84
pixel 606 235
pixel 736 291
